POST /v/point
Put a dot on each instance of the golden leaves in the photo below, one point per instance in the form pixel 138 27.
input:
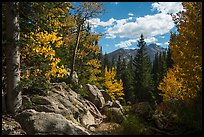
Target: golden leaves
pixel 184 80
pixel 114 87
pixel 42 45
pixel 94 66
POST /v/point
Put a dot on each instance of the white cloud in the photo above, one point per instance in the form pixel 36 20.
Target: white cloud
pixel 116 28
pixel 150 40
pixel 149 26
pixel 95 22
pixel 110 36
pixel 167 7
pixel 127 43
pixel 162 37
pixel 130 18
pixel 166 43
pixel 130 14
pixel 159 44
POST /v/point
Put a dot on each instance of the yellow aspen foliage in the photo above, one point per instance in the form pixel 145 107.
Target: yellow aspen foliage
pixel 88 63
pixel 184 80
pixel 171 86
pixel 40 44
pixel 113 87
pixel 94 66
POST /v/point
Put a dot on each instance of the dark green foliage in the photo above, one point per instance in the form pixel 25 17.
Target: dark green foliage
pixel 169 61
pixel 113 115
pixel 183 117
pixel 106 62
pixel 113 62
pixel 127 82
pixel 28 14
pixel 133 126
pixel 159 70
pixel 120 68
pixel 82 90
pixel 190 118
pixel 32 86
pixel 142 78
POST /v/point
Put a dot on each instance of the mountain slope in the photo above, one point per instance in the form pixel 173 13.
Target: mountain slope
pixel 152 49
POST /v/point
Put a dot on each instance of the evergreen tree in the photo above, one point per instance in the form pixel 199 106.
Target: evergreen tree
pixel 158 72
pixel 155 71
pixel 113 62
pixel 106 62
pixel 142 78
pixel 130 64
pixel 169 61
pixel 101 58
pixel 164 65
pixel 129 88
pixel 119 68
pixel 126 79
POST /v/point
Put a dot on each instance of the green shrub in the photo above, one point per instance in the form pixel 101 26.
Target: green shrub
pixel 189 117
pixel 133 126
pixel 184 116
pixel 38 85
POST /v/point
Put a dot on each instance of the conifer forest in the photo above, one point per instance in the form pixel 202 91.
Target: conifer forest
pixel 56 78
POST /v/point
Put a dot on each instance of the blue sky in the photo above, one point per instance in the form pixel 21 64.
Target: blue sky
pixel 123 23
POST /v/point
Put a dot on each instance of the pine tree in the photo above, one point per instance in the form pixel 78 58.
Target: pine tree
pixel 128 88
pixel 119 68
pixel 113 62
pixel 158 72
pixel 169 61
pixel 164 65
pixel 106 62
pixel 155 69
pixel 142 78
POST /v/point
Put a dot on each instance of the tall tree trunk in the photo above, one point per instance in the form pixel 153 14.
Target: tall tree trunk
pixel 13 97
pixel 74 54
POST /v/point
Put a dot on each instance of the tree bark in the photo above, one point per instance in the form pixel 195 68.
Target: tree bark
pixel 74 54
pixel 13 97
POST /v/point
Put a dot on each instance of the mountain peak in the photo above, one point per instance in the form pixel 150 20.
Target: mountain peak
pixel 152 49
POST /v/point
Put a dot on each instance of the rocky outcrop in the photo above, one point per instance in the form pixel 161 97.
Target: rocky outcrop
pixel 63 111
pixel 117 104
pixel 106 96
pixel 113 114
pixel 95 96
pixel 107 128
pixel 112 109
pixel 11 127
pixel 66 102
pixel 42 123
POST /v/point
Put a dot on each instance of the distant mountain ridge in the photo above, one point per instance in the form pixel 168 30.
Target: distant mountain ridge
pixel 151 49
